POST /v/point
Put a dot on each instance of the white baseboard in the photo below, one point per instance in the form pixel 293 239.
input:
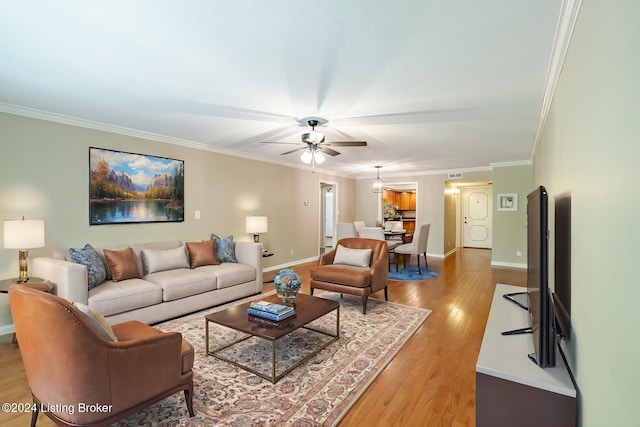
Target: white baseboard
pixel 508 264
pixel 451 252
pixel 7 329
pixel 289 264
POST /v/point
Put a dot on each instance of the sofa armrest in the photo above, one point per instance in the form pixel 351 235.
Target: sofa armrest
pixel 69 279
pixel 251 254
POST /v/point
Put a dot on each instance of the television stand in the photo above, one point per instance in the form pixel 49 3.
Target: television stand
pixel 528 330
pixel 510 390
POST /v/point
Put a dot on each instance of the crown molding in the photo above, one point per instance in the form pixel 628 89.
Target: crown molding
pixel 564 30
pixel 121 130
pixel 427 173
pixel 511 164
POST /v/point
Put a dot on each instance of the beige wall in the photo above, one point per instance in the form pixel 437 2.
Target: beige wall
pixel 510 227
pixel 44 175
pixel 590 149
pixel 451 218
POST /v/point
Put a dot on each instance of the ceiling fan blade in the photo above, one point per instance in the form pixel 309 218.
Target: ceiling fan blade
pixel 327 150
pixel 347 143
pixel 441 115
pixel 293 151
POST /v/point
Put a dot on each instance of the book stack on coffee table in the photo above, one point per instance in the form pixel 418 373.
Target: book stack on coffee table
pixel 269 310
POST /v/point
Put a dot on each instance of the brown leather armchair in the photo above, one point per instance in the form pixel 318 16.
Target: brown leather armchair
pixel 70 366
pixel 349 279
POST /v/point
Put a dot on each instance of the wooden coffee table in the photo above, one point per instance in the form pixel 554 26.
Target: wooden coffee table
pixel 307 309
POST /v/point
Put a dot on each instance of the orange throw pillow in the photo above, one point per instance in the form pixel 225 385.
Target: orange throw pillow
pixel 122 264
pixel 202 253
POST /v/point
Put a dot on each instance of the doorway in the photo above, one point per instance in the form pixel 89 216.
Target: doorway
pixel 328 215
pixel 399 202
pixel 477 214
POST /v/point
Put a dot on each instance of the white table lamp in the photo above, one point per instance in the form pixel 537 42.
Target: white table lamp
pixel 256 225
pixel 23 234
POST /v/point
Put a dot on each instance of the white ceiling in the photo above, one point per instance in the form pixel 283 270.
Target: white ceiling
pixel 431 85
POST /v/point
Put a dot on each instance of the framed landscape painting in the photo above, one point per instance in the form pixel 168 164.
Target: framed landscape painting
pixel 129 188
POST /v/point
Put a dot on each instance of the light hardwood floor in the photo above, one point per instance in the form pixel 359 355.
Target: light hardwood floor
pixel 431 382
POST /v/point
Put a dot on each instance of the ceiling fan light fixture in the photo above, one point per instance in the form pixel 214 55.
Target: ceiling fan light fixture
pixel 318 157
pixel 306 157
pixel 377 184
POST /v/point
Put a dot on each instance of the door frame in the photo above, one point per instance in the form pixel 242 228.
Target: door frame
pixel 322 185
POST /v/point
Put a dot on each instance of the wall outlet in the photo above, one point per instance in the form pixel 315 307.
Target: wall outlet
pixel 518 253
pixel 291 251
pixel 197 214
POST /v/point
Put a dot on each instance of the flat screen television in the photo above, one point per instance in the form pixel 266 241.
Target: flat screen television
pixel 540 305
pixel 562 270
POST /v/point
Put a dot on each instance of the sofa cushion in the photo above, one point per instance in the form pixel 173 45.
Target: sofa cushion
pixel 97 320
pixel 122 264
pixel 202 253
pixel 182 282
pixel 88 256
pixel 154 260
pixel 343 274
pixel 117 297
pixel 355 257
pixel 224 248
pixel 229 274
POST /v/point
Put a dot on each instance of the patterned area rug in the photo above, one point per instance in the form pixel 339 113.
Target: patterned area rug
pixel 411 273
pixel 317 393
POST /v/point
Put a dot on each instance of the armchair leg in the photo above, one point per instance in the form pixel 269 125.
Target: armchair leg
pixel 312 291
pixel 188 397
pixel 34 413
pixel 385 293
pixel 418 259
pixel 364 304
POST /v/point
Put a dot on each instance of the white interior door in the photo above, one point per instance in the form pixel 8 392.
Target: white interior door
pixel 477 216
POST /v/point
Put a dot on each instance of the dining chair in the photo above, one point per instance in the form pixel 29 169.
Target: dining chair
pixel 378 234
pixel 358 225
pixel 345 229
pixel 417 247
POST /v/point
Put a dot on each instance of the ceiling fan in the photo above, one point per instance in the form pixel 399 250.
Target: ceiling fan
pixel 314 146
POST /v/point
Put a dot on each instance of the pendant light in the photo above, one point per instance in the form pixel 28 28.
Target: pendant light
pixel 377 184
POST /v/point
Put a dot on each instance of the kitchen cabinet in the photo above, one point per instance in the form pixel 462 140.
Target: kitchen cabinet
pixel 405 201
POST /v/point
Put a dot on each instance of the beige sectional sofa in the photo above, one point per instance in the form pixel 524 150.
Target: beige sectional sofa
pixel 166 286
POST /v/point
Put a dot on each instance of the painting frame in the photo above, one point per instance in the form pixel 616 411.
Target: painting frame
pixel 507 202
pixel 133 188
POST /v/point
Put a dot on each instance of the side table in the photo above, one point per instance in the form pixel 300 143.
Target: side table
pixel 267 277
pixel 34 282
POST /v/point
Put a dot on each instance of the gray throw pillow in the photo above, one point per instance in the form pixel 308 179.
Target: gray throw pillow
pixel 224 249
pixel 88 256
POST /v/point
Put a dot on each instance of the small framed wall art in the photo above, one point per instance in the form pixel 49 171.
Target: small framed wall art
pixel 508 202
pixel 129 188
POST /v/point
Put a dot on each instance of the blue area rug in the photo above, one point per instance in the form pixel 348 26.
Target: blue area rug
pixel 411 273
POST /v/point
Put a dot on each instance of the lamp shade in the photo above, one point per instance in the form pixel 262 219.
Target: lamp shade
pixel 256 224
pixel 23 233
